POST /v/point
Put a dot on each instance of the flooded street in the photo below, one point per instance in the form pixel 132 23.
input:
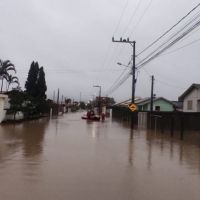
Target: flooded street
pixel 69 158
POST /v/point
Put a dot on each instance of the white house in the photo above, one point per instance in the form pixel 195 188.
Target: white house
pixel 3 100
pixel 191 99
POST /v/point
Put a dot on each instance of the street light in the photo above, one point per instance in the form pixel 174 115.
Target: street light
pixel 126 66
pixel 123 65
pixel 99 102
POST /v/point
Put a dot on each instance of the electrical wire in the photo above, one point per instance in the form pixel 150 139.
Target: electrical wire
pixel 184 46
pixel 130 20
pixel 171 37
pixel 119 79
pixel 161 49
pixel 142 16
pixel 121 16
pixel 174 38
pixel 112 89
pixel 166 32
pixel 170 45
pixel 170 85
pixel 132 16
pixel 104 64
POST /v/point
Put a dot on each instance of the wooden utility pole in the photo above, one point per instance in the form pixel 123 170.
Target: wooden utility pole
pixel 152 95
pixel 132 43
pixel 58 99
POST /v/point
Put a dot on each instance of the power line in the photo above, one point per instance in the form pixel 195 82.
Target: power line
pixel 157 51
pixel 142 16
pixel 169 45
pixel 121 16
pixel 164 46
pixel 184 46
pixel 170 85
pixel 171 37
pixel 132 16
pixel 130 20
pixel 116 28
pixel 144 62
pixel 166 32
pixel 119 80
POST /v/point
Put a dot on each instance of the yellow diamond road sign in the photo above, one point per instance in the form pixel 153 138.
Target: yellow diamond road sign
pixel 132 107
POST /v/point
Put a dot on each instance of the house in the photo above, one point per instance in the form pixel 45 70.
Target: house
pixel 191 99
pixel 143 104
pixel 159 104
pixel 3 99
pixel 178 105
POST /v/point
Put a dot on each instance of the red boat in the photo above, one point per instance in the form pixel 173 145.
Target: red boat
pixel 91 116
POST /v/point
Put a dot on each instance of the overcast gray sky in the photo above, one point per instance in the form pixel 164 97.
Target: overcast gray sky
pixel 71 39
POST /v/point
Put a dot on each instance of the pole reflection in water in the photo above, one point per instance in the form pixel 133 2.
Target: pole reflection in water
pixel 131 148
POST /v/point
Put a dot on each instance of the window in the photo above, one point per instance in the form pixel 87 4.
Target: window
pixel 157 108
pixel 189 105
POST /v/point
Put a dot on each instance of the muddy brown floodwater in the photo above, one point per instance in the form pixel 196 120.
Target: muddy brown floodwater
pixel 72 159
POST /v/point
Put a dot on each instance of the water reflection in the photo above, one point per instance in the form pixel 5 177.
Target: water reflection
pixel 93 129
pixel 26 137
pixel 131 148
pixel 187 152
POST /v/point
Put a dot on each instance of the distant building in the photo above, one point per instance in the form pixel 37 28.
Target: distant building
pixel 191 99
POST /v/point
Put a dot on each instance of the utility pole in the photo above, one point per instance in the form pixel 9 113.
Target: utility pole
pixel 152 87
pixel 54 96
pixel 132 43
pixel 58 94
pixel 58 99
pixel 80 97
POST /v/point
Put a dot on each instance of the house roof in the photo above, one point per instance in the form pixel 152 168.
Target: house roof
pixel 192 87
pixel 148 100
pixel 141 102
pixel 178 104
pixel 126 102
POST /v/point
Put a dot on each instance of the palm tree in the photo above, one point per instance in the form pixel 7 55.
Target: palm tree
pixel 11 79
pixel 5 67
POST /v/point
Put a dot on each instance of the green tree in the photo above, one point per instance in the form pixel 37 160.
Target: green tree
pixel 41 84
pixel 17 99
pixel 31 83
pixel 82 105
pixel 5 67
pixel 36 89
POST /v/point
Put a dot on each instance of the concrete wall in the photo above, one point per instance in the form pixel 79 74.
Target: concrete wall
pixel 193 96
pixel 3 99
pixel 19 116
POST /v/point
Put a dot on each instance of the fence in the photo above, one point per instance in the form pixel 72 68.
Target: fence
pixel 163 121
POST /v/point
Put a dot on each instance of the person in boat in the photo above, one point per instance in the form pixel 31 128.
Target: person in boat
pixel 88 114
pixel 92 112
pixel 103 116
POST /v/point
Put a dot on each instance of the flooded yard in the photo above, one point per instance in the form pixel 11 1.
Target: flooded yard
pixel 70 158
